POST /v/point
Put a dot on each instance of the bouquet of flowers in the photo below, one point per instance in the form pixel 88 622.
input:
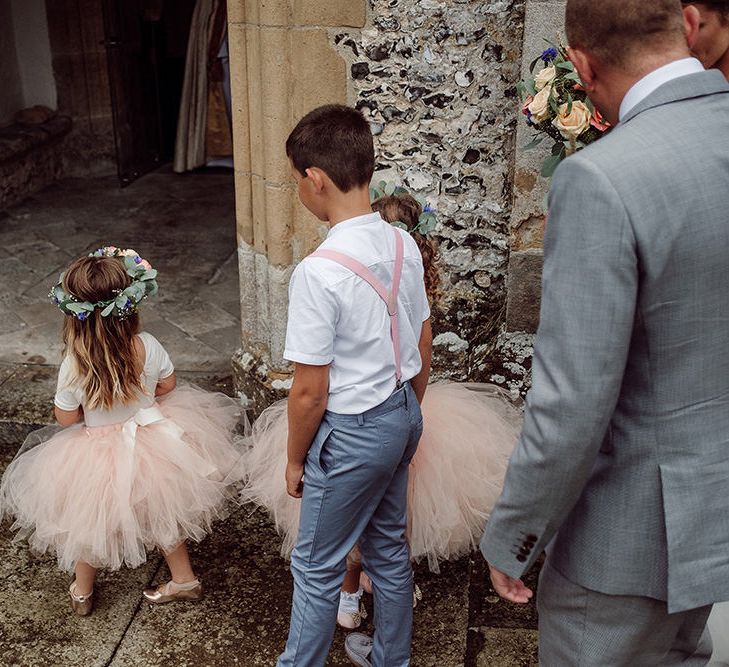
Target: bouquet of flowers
pixel 557 107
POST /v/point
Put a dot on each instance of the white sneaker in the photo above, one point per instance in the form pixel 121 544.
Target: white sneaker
pixel 351 611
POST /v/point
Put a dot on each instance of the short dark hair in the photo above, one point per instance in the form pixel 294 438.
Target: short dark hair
pixel 617 30
pixel 336 139
pixel 721 6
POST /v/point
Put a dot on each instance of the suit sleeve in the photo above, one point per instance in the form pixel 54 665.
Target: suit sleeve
pixel 589 293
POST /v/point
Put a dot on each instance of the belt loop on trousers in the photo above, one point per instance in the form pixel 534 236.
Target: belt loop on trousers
pixel 360 419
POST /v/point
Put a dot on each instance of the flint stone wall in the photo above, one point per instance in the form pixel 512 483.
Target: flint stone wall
pixel 436 78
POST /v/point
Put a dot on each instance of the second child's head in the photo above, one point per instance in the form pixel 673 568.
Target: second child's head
pixel 406 210
pixel 332 157
pixel 107 366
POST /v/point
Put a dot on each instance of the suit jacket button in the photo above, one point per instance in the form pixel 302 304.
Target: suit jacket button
pixel 525 551
pixel 521 558
pixel 531 538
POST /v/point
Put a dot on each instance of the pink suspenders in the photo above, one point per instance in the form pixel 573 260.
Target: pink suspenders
pixel 388 296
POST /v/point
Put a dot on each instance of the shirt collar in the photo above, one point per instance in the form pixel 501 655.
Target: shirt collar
pixel 656 79
pixel 359 221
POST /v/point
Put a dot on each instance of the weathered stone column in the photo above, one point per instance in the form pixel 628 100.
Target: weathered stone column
pixel 282 65
pixel 543 19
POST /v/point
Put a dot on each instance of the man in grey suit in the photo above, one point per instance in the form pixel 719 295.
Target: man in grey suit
pixel 622 468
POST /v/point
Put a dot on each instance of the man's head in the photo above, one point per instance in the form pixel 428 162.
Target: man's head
pixel 614 43
pixel 331 153
pixel 710 43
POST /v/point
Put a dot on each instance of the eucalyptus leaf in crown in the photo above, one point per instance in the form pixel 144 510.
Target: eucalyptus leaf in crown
pixel 557 107
pixel 124 302
pixel 427 221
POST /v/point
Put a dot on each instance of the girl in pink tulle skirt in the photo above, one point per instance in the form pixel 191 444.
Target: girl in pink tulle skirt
pixel 136 463
pixel 469 431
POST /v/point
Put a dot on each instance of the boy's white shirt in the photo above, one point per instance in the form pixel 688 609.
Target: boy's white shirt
pixel 336 317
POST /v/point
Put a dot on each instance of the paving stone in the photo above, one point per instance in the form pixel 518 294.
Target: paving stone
pixel 40 344
pixel 225 340
pixel 9 320
pixel 508 648
pixel 185 225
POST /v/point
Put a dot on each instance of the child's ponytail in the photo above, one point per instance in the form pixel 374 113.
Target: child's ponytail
pixel 404 208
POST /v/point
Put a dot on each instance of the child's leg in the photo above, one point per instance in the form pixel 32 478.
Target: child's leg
pixel 85 577
pixel 354 569
pixel 178 560
pixel 386 554
pixel 344 482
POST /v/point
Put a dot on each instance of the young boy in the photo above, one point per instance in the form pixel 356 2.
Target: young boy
pixel 361 367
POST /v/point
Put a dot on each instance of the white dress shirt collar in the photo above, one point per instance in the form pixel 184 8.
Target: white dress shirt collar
pixel 360 220
pixel 656 79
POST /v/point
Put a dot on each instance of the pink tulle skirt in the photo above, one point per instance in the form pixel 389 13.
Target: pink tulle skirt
pixel 456 476
pixel 106 494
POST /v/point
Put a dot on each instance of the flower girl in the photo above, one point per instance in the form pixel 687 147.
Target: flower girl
pixel 138 463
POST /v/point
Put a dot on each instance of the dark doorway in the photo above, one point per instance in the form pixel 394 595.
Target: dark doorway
pixel 146 43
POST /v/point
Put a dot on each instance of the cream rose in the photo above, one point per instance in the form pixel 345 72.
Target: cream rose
pixel 572 125
pixel 545 77
pixel 539 107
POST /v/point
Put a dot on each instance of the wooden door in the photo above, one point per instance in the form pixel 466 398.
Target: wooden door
pixel 130 40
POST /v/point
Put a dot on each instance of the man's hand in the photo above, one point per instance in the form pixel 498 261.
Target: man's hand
pixel 510 589
pixel 294 477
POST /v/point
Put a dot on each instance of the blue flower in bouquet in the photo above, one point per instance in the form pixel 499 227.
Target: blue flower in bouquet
pixel 549 55
pixel 82 316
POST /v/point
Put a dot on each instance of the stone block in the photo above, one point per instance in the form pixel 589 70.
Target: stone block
pixel 236 14
pixel 254 113
pixel 240 98
pixel 524 290
pixel 347 13
pixel 276 120
pixel 279 215
pixel 273 13
pixel 319 72
pixel 243 207
pixel 258 213
pixel 543 20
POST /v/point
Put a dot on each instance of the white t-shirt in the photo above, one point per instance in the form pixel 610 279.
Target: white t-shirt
pixel 157 366
pixel 336 317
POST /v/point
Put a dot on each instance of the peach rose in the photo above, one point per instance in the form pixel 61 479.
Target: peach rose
pixel 571 125
pixel 145 264
pixel 539 107
pixel 545 77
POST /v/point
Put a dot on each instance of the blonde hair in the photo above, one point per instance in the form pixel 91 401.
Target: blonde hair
pixel 405 208
pixel 107 366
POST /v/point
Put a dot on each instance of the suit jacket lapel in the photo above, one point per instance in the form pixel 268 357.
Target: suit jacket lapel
pixel 687 87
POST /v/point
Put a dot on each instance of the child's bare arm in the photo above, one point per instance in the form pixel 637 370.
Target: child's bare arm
pixel 306 406
pixel 425 346
pixel 166 385
pixel 68 417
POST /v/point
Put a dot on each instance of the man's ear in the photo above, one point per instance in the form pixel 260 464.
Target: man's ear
pixel 317 178
pixel 583 65
pixel 691 23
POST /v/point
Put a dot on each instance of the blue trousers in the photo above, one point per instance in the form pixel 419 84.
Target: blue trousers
pixel 355 490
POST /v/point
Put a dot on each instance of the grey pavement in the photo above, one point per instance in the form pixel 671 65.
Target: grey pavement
pixel 183 224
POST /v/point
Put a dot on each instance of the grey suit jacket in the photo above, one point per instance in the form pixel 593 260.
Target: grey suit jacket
pixel 623 461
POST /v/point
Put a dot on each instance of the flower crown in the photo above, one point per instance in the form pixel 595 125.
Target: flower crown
pixel 427 220
pixel 125 302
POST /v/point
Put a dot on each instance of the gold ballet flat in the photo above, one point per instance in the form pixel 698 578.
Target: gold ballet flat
pixel 81 604
pixel 172 592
